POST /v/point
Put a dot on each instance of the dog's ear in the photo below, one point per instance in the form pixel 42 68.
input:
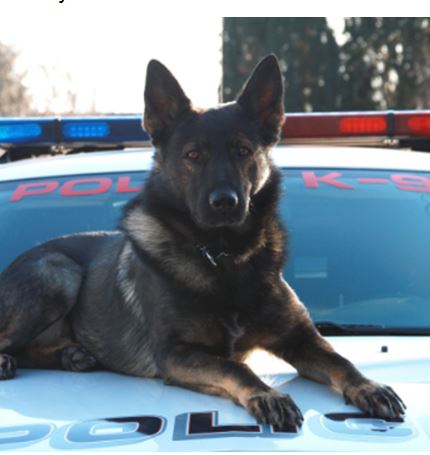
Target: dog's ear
pixel 165 102
pixel 263 98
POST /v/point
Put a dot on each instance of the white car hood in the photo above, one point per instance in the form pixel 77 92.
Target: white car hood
pixel 55 410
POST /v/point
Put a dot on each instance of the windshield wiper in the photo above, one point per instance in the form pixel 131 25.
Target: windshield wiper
pixel 331 328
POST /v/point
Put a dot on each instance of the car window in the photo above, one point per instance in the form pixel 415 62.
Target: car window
pixel 358 240
pixel 33 211
pixel 359 245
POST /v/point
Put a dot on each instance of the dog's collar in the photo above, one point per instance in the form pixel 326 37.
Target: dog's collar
pixel 211 257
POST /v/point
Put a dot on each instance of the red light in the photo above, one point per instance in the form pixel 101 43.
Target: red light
pixel 363 125
pixel 419 124
pixel 356 125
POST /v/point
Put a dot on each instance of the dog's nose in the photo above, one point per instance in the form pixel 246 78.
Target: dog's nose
pixel 223 200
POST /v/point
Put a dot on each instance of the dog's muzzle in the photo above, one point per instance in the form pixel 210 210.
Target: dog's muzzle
pixel 221 208
pixel 223 201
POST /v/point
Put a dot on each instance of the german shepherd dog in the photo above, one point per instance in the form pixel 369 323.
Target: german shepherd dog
pixel 193 281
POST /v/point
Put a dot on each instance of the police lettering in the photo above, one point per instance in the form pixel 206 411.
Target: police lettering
pixel 75 187
pixel 117 431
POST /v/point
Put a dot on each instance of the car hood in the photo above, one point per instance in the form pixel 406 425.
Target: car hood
pixel 55 410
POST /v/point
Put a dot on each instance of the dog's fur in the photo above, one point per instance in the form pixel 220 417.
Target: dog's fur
pixel 193 281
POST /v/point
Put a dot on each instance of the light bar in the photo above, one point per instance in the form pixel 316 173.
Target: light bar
pixel 356 125
pixel 115 130
pixel 416 124
pixel 126 131
pixel 120 131
pixel 24 131
pixel 360 124
pixel 86 130
pixel 20 132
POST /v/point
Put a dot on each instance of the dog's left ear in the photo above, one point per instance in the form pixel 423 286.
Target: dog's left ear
pixel 165 102
pixel 263 98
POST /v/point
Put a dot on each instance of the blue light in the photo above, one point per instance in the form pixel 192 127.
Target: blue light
pixel 86 130
pixel 122 131
pixel 19 132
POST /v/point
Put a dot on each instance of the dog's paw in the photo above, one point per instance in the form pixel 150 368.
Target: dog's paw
pixel 77 358
pixel 7 366
pixel 275 409
pixel 376 400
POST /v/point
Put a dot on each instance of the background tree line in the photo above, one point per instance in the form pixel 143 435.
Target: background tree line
pixel 383 63
pixel 14 98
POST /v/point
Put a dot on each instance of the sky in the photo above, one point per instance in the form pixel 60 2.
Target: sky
pixel 99 49
pixel 105 47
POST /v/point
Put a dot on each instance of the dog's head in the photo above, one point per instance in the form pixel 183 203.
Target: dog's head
pixel 214 161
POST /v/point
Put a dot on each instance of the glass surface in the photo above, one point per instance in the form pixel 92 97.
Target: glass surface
pixel 358 248
pixel 33 211
pixel 359 245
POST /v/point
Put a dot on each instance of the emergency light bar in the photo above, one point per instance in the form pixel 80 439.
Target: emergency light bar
pixel 385 124
pixel 126 131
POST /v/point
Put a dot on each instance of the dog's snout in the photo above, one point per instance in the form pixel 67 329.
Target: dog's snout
pixel 223 200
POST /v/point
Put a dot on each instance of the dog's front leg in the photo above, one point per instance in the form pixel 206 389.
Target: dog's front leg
pixel 302 346
pixel 194 368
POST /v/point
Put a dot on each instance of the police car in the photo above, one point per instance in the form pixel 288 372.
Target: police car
pixel 357 205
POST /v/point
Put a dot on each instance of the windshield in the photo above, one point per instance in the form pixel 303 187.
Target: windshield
pixel 33 211
pixel 358 248
pixel 359 245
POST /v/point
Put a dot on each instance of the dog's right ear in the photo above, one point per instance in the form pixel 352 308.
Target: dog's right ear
pixel 165 102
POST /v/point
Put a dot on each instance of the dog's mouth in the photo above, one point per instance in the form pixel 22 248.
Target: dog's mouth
pixel 227 220
pixel 219 224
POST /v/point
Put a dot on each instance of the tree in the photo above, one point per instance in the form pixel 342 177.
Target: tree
pixel 14 99
pixel 385 63
pixel 307 51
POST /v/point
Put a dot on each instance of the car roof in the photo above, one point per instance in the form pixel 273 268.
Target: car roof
pixel 289 156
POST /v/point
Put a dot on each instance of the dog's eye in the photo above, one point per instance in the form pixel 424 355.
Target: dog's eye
pixel 243 151
pixel 193 154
